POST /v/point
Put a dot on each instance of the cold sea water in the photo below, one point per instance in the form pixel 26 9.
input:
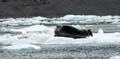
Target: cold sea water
pixel 64 51
pixel 67 51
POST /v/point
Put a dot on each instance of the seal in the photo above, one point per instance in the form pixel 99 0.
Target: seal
pixel 69 31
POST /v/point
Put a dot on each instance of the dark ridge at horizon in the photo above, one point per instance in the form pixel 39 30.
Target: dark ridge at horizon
pixel 58 8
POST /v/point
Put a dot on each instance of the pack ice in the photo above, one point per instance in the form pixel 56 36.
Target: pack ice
pixel 40 34
pixel 30 36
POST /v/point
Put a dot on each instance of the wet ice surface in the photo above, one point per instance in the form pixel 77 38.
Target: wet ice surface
pixel 38 42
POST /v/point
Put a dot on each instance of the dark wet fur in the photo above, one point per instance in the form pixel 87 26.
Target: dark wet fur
pixel 69 31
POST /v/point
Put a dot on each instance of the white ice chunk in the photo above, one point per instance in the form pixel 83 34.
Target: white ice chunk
pixel 28 38
pixel 39 18
pixel 65 40
pixel 22 46
pixel 115 57
pixel 97 39
pixel 37 28
pixel 7 39
pixel 31 29
pixel 35 37
pixel 100 31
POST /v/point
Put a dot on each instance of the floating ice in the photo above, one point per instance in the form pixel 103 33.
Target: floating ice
pixel 24 40
pixel 37 28
pixel 22 46
pixel 39 38
pixel 100 31
pixel 65 40
pixel 79 17
pixel 29 39
pixel 40 34
pixel 31 29
pixel 90 18
pixel 99 38
pixel 39 18
pixel 115 57
pixel 22 21
pixel 71 18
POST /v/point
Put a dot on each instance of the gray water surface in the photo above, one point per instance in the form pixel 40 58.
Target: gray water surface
pixel 71 51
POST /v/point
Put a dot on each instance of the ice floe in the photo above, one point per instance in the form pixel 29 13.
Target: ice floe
pixel 39 34
pixel 100 31
pixel 64 19
pixel 36 34
pixel 29 36
pixel 37 28
pixel 115 57
pixel 30 29
pixel 22 46
pixel 28 40
pixel 98 38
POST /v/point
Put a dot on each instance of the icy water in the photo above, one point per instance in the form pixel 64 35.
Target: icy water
pixel 67 51
pixel 63 52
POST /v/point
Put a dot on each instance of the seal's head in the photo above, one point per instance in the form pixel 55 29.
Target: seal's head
pixel 90 32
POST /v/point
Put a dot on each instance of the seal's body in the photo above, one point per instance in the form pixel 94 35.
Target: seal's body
pixel 69 31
